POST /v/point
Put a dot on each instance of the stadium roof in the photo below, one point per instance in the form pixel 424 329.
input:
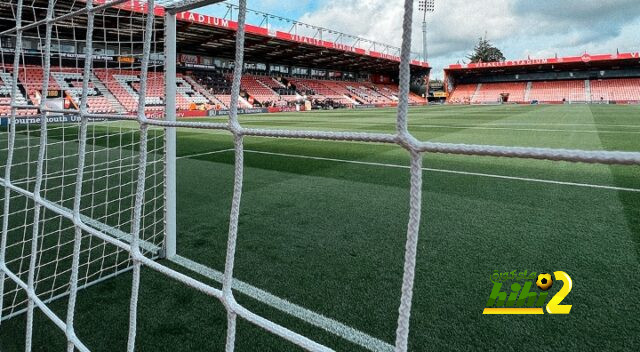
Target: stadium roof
pixel 184 5
pixel 556 63
pixel 209 35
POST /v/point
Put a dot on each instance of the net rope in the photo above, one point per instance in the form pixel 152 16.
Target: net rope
pixel 108 186
pixel 131 239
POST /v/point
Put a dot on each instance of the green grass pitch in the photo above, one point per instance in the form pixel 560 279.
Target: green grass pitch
pixel 323 226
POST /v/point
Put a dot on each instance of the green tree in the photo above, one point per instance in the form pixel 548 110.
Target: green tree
pixel 484 51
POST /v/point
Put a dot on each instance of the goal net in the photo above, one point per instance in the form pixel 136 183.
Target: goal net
pixel 88 97
pixel 63 172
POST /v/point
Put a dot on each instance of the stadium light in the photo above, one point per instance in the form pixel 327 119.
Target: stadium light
pixel 425 6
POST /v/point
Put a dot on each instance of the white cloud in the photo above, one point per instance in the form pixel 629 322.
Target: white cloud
pixel 519 27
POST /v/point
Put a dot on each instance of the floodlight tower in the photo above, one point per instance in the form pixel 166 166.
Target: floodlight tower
pixel 425 6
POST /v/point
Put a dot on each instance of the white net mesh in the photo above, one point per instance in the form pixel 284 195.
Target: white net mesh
pixel 111 159
pixel 85 188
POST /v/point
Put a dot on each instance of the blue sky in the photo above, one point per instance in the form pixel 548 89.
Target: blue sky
pixel 520 28
pixel 289 9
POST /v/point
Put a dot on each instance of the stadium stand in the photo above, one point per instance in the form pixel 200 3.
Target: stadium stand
pixel 31 79
pixel 226 100
pixel 320 89
pixel 116 90
pixel 99 100
pixel 342 92
pixel 492 92
pixel 260 91
pixel 588 78
pixel 69 83
pixel 558 91
pixel 215 86
pixel 463 93
pixel 326 77
pixel 213 81
pixel 545 91
pixel 217 103
pixel 623 89
pixel 5 96
pixel 369 94
pixel 391 91
pixel 282 86
pixel 126 84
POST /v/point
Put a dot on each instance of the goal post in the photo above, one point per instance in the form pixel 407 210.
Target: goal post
pixel 170 59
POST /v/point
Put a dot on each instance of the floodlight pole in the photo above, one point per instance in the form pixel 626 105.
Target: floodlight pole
pixel 424 36
pixel 170 135
pixel 425 6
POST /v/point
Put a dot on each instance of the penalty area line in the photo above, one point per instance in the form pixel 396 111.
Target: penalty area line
pixel 513 178
pixel 463 127
pixel 205 153
pixel 455 172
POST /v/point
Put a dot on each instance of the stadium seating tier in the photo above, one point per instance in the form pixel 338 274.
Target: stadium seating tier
pixel 569 91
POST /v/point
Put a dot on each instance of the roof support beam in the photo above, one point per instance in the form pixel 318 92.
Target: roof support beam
pixel 186 5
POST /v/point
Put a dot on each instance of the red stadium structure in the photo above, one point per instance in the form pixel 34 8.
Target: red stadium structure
pixel 283 71
pixel 580 79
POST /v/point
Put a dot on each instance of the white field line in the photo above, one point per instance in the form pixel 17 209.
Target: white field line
pixel 206 153
pixel 306 315
pixel 481 126
pixel 557 124
pixel 523 129
pixel 513 178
